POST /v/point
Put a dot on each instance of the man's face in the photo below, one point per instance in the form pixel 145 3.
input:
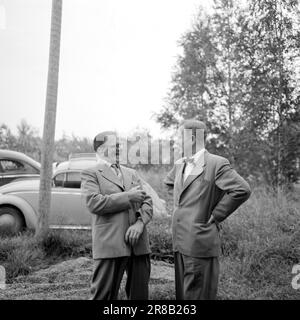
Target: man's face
pixel 183 142
pixel 121 150
pixel 107 151
pixel 112 149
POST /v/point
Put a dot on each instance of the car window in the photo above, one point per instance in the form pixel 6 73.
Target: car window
pixel 30 169
pixel 15 167
pixel 67 180
pixel 73 180
pixel 12 166
pixel 59 180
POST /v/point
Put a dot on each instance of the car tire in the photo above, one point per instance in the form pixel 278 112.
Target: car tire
pixel 11 221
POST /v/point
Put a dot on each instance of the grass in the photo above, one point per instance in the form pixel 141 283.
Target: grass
pixel 260 245
pixel 160 237
pixel 23 254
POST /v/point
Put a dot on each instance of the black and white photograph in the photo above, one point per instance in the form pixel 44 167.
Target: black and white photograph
pixel 149 151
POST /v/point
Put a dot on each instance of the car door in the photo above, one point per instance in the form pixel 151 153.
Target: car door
pixel 16 169
pixel 67 206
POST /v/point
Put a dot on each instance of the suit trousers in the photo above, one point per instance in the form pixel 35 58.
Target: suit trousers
pixel 196 278
pixel 108 274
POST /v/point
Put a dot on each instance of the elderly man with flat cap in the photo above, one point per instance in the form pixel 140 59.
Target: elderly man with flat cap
pixel 120 212
pixel 206 191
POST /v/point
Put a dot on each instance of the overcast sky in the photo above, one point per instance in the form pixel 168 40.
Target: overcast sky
pixel 115 67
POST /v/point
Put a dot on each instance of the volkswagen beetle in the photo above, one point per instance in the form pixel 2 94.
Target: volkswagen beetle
pixel 19 200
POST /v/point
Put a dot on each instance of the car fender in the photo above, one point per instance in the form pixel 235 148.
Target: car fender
pixel 28 212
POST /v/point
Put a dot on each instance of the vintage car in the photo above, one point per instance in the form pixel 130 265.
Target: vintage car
pixel 16 165
pixel 19 199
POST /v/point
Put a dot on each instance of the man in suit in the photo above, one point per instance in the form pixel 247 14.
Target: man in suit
pixel 120 212
pixel 206 191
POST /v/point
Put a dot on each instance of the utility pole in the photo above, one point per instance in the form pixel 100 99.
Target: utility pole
pixel 49 121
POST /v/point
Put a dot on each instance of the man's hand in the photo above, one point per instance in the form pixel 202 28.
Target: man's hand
pixel 211 219
pixel 134 232
pixel 136 194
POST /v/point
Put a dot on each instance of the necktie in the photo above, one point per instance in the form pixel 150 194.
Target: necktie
pixel 189 163
pixel 189 160
pixel 116 168
pixel 118 171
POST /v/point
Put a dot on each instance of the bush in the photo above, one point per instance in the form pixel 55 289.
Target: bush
pixel 273 262
pixel 67 243
pixel 23 254
pixel 160 236
pixel 261 241
pixel 19 255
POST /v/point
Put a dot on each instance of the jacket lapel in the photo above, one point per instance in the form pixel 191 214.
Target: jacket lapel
pixel 127 177
pixel 196 172
pixel 179 178
pixel 108 174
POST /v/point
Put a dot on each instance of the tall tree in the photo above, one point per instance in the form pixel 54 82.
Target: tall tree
pixel 272 29
pixel 189 91
pixel 49 120
pixel 205 83
pixel 7 139
pixel 28 140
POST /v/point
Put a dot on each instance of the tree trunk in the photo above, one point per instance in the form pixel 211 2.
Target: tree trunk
pixel 49 121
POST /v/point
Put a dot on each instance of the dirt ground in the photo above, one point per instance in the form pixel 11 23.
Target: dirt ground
pixel 70 280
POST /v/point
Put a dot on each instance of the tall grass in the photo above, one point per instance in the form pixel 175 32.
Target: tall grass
pixel 23 254
pixel 262 239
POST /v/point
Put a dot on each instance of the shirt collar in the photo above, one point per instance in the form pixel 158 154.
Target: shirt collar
pixel 198 154
pixel 102 161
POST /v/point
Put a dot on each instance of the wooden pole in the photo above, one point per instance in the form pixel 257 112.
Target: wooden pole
pixel 49 121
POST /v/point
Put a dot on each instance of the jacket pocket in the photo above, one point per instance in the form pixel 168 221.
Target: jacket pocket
pixel 101 223
pixel 206 231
